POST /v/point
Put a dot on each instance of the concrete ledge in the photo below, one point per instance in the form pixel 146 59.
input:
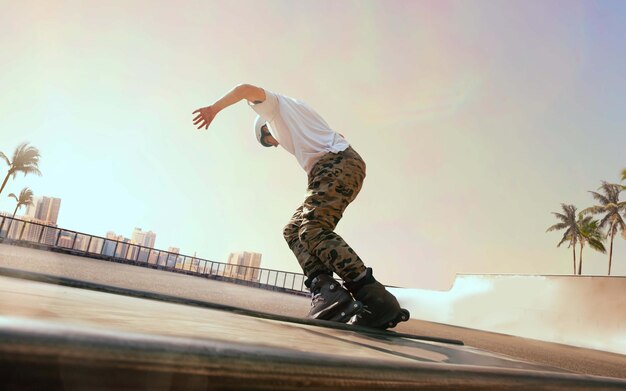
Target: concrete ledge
pixel 584 311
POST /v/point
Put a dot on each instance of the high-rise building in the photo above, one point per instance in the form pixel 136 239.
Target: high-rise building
pixel 143 238
pixel 146 241
pixel 243 266
pixel 44 209
pixel 31 209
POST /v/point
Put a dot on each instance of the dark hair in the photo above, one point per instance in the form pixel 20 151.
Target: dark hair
pixel 264 133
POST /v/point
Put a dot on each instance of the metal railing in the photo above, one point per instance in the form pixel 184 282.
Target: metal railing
pixel 53 238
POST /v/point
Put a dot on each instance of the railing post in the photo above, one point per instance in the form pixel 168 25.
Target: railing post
pixel 56 243
pixel 22 233
pixel 88 244
pixel 2 225
pixel 9 228
pixel 40 233
pixel 74 241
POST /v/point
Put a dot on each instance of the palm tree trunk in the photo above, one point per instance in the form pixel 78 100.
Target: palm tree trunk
pixel 611 250
pixel 574 252
pixel 11 222
pixel 6 178
pixel 580 259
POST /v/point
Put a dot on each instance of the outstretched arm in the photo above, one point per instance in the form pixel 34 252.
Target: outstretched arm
pixel 243 91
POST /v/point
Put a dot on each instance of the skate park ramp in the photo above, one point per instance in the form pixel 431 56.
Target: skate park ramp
pixel 584 311
pixel 64 334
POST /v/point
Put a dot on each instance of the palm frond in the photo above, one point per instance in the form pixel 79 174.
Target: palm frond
pixel 27 170
pixel 564 239
pixel 25 156
pixel 568 222
pixel 593 210
pixel 606 220
pixel 5 158
pixel 599 197
pixel 612 191
pixel 557 227
pixel 25 197
pixel 597 245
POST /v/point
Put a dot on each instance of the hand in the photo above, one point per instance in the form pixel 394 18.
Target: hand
pixel 205 116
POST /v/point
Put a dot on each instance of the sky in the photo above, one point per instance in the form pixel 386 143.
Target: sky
pixel 476 121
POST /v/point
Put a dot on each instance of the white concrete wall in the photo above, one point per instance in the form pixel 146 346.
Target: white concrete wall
pixel 581 311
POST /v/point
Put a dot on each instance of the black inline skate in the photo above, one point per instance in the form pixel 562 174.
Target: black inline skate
pixel 381 309
pixel 330 301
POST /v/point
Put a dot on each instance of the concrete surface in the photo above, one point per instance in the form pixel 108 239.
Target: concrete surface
pixel 70 337
pixel 579 360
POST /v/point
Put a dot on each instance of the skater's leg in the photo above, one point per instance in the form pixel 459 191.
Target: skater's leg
pixel 330 300
pixel 334 182
pixel 310 264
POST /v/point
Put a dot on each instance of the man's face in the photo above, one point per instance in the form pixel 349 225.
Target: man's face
pixel 267 138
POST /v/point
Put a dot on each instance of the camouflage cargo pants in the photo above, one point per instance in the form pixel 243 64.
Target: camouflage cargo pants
pixel 334 183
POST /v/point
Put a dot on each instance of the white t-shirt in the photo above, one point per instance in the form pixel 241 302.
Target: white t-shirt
pixel 299 129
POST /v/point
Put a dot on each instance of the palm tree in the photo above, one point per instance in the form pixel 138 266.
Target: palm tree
pixel 591 233
pixel 25 198
pixel 624 174
pixel 25 160
pixel 611 207
pixel 568 223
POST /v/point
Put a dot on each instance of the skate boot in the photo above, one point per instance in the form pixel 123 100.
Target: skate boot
pixel 330 301
pixel 381 309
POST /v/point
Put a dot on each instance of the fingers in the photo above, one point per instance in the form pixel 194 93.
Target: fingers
pixel 203 119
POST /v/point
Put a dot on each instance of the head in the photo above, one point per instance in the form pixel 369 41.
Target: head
pixel 263 134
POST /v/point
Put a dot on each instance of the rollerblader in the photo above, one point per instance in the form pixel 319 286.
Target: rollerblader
pixel 335 176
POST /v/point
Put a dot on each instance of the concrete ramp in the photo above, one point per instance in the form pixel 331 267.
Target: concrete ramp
pixel 582 311
pixel 73 335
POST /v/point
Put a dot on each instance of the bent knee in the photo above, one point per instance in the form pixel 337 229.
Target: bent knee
pixel 290 232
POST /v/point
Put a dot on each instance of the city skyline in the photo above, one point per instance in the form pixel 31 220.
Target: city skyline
pixel 45 210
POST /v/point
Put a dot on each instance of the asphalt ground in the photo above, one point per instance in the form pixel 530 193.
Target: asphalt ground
pixel 579 360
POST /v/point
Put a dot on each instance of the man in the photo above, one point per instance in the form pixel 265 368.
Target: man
pixel 336 173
